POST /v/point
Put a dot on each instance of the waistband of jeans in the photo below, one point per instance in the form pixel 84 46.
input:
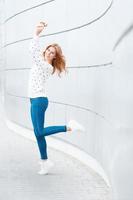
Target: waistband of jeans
pixel 37 98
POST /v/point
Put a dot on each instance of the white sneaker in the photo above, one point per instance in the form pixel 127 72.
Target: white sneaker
pixel 49 163
pixel 75 126
pixel 46 165
pixel 42 172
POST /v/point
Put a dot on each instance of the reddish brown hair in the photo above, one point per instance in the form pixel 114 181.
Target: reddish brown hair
pixel 59 62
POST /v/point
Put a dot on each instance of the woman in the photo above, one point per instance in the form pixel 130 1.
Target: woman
pixel 44 65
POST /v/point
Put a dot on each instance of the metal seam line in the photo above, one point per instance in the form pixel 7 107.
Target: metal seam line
pixel 67 30
pixel 122 36
pixel 71 67
pixel 65 104
pixel 27 10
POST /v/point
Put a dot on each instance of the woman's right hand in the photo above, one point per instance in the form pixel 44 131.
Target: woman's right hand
pixel 39 28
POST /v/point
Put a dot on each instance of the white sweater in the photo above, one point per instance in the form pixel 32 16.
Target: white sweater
pixel 40 71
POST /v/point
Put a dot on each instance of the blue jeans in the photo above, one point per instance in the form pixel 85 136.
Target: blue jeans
pixel 38 109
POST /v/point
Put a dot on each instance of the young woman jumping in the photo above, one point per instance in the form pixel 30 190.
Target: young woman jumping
pixel 45 64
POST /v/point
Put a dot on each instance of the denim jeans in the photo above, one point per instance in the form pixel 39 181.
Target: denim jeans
pixel 38 109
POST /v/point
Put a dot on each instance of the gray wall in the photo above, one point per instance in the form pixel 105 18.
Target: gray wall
pixel 98 88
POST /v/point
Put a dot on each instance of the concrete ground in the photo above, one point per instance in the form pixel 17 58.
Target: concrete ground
pixel 68 180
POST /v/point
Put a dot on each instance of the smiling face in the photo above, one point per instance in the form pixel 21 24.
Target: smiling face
pixel 50 54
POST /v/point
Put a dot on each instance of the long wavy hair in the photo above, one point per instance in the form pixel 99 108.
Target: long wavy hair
pixel 58 63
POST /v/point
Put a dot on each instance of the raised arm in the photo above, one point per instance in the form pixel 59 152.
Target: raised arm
pixel 34 45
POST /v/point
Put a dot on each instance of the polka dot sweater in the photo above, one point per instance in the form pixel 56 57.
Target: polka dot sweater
pixel 40 71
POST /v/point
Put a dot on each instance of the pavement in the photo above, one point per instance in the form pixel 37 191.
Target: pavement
pixel 68 180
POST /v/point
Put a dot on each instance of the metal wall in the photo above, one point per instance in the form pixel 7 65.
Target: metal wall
pixel 97 91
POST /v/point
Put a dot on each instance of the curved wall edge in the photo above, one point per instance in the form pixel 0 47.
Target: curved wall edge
pixel 62 146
